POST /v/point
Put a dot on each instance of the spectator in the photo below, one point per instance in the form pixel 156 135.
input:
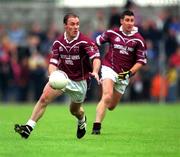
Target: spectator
pixel 6 75
pixel 172 85
pixel 159 88
pixel 114 18
pixel 174 60
pixel 17 34
pixel 170 43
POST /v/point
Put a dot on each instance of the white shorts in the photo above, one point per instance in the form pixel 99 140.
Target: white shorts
pixel 76 90
pixel 108 73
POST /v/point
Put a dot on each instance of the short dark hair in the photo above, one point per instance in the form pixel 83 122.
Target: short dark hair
pixel 126 12
pixel 67 16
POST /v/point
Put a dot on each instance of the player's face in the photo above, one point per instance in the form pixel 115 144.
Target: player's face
pixel 127 23
pixel 72 27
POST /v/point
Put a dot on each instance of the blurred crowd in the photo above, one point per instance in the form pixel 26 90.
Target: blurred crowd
pixel 25 52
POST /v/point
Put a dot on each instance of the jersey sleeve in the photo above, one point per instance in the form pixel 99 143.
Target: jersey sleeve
pixel 55 54
pixel 141 52
pixel 92 50
pixel 101 39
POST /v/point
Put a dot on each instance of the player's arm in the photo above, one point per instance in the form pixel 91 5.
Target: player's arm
pixel 101 39
pixel 127 74
pixel 141 60
pixel 136 68
pixel 52 68
pixel 96 63
pixel 94 55
pixel 54 60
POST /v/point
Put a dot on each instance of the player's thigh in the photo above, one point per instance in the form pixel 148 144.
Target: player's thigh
pixel 77 91
pixel 49 94
pixel 116 97
pixel 107 87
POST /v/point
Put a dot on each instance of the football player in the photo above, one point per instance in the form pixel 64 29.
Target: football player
pixel 71 53
pixel 126 55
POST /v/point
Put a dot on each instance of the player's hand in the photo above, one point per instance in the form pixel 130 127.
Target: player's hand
pixel 124 75
pixel 96 76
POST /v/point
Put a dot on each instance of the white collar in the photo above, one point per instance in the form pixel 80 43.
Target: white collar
pixel 75 38
pixel 134 30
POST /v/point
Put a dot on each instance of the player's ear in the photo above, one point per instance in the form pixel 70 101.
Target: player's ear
pixel 121 21
pixel 65 26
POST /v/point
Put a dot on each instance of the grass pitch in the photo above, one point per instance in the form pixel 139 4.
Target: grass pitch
pixel 128 131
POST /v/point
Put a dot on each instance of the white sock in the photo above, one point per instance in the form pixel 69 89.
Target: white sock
pixel 82 120
pixel 31 123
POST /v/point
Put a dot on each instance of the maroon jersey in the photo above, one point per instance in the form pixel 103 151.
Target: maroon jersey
pixel 73 57
pixel 124 50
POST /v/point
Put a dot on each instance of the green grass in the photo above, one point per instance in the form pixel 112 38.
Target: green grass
pixel 128 131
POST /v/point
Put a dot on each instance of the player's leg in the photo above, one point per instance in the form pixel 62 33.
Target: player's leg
pixel 115 100
pixel 77 110
pixel 119 89
pixel 112 91
pixel 47 96
pixel 77 92
pixel 107 95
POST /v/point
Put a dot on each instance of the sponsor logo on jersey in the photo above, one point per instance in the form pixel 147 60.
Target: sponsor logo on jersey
pixel 92 48
pixel 76 49
pixel 117 39
pixel 60 48
pixel 123 49
pixel 72 57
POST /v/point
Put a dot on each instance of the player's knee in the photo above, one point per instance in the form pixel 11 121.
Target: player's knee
pixel 44 100
pixel 107 98
pixel 73 112
pixel 75 109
